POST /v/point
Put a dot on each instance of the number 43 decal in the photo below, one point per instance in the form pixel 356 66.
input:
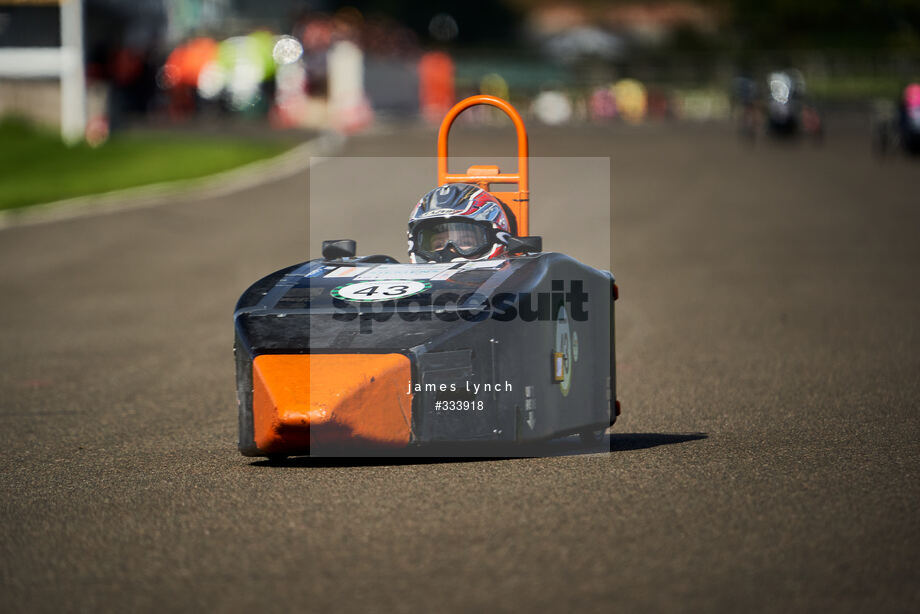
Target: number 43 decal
pixel 366 291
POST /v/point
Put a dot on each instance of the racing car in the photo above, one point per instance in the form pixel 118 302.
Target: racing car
pixel 898 124
pixel 787 111
pixel 354 355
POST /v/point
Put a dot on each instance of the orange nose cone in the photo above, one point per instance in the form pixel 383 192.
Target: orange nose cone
pixel 299 399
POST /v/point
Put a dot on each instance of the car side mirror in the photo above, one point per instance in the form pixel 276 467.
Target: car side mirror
pixel 339 248
pixel 527 245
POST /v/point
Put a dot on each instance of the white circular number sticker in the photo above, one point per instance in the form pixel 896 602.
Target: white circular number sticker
pixel 384 290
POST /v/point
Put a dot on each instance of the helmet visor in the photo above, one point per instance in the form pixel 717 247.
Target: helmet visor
pixel 467 238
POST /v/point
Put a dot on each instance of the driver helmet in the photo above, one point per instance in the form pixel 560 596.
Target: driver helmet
pixel 458 222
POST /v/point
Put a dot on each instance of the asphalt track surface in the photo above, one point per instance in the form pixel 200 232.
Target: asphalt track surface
pixel 767 458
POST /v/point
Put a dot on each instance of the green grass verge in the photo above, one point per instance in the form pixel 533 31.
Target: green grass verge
pixel 36 167
pixel 857 87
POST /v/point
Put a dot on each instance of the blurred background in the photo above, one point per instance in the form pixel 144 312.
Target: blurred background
pixel 91 69
pixel 327 63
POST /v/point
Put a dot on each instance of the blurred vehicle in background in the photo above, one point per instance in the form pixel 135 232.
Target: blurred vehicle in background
pixel 788 113
pixel 897 125
pixel 909 119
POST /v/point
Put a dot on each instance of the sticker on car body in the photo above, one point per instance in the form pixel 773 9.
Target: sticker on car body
pixel 404 271
pixel 318 271
pixel 563 357
pixel 380 290
pixel 346 271
pixel 469 266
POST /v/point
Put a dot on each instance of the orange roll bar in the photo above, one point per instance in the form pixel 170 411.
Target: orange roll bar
pixel 484 176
